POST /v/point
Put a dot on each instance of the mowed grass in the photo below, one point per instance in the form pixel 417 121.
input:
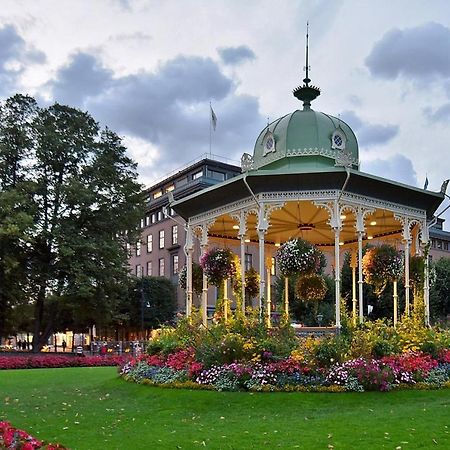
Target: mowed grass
pixel 91 408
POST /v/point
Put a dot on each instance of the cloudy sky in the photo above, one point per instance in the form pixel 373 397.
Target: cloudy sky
pixel 149 68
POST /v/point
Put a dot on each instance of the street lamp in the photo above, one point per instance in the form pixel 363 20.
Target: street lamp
pixel 144 303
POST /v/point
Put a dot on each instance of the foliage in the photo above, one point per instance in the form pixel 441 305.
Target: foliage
pixel 416 272
pixel 70 192
pixel 440 290
pixel 54 361
pixel 218 265
pixel 14 438
pixel 197 278
pixel 311 287
pixel 299 256
pixel 252 283
pixel 244 354
pixel 381 265
pixel 151 302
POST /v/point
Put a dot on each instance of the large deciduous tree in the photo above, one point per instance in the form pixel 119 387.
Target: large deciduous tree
pixel 82 205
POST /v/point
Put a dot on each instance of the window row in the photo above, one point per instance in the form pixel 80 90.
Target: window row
pixel 440 244
pixel 161 241
pixel 161 269
pixel 156 217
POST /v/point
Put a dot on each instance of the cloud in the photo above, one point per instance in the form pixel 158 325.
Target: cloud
pixel 15 54
pixel 138 36
pixel 369 135
pixel 82 77
pixel 166 110
pixel 441 114
pixel 397 167
pixel 417 53
pixel 236 55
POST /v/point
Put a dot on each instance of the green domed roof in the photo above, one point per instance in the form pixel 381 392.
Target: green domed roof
pixel 303 140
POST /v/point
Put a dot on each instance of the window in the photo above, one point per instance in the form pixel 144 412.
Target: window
pixel 149 268
pixel 170 188
pixel 157 194
pixel 142 223
pixel 248 261
pixel 197 175
pixel 439 245
pixel 128 249
pixel 138 248
pixel 161 238
pixel 272 267
pixel 219 176
pixel 174 234
pixel 149 243
pixel 139 270
pixel 174 264
pixel 153 218
pixel 159 215
pixel 445 245
pixel 147 221
pixel 161 267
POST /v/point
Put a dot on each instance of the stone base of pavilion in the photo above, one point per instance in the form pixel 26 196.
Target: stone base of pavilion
pixel 303 331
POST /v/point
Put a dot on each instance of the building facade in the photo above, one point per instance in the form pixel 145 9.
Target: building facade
pixel 160 251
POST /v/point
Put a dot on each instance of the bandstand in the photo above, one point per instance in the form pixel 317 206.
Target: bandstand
pixel 303 180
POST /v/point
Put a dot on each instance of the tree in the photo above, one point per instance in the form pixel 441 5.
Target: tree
pixel 152 303
pixel 85 203
pixel 440 289
pixel 16 210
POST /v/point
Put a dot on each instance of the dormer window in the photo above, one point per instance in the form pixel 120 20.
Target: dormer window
pixel 269 143
pixel 338 140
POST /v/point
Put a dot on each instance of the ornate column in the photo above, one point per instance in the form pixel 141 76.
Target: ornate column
pixel 286 298
pixel 361 213
pixel 407 224
pixel 204 248
pixel 335 223
pixel 426 284
pixel 262 277
pixel 353 264
pixel 242 218
pixel 189 250
pixel 269 292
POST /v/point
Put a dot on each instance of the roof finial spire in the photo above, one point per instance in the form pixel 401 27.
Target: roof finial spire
pixel 306 80
pixel 306 93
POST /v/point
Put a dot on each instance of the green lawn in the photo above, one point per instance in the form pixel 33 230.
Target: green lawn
pixel 91 408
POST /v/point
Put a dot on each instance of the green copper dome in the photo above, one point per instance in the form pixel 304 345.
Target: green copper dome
pixel 304 140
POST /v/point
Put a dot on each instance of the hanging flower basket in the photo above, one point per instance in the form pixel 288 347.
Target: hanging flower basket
pixel 311 287
pixel 197 278
pixel 218 265
pixel 252 282
pixel 381 265
pixel 298 256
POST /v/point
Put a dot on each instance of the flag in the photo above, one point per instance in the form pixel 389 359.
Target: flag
pixel 426 183
pixel 213 118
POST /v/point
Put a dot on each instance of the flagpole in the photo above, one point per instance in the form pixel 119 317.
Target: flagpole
pixel 210 131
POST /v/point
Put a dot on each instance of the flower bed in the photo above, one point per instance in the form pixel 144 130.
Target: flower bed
pixel 51 361
pixel 356 375
pixel 13 438
pixel 244 355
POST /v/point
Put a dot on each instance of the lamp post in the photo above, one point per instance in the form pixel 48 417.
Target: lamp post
pixel 144 304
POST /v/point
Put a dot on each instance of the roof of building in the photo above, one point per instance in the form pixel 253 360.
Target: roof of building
pixel 304 139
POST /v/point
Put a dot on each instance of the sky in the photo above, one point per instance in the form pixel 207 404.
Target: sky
pixel 148 69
